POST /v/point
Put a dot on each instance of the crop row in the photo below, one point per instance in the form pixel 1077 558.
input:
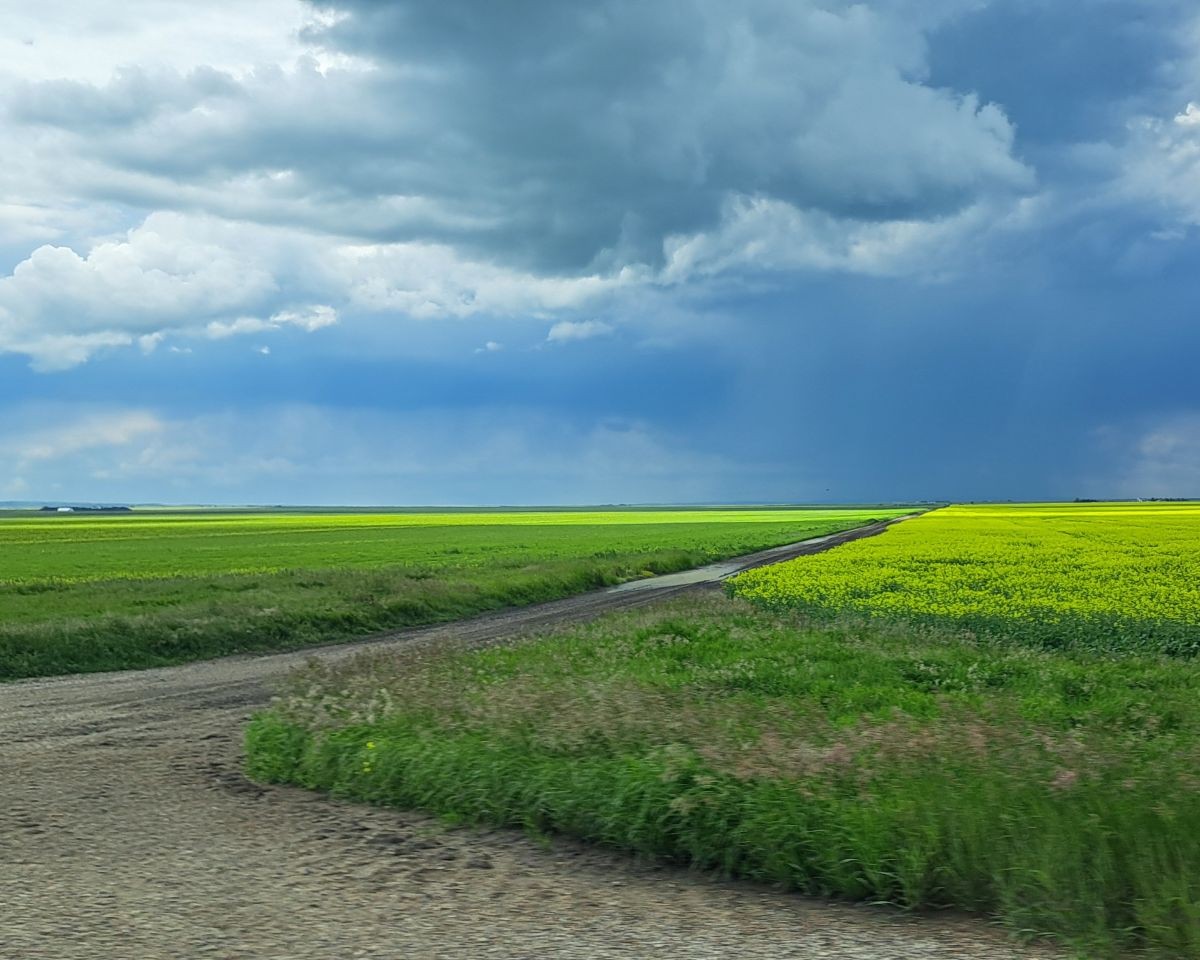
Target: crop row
pixel 70 550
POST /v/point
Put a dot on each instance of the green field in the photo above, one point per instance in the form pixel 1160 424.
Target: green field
pixel 82 593
pixel 873 745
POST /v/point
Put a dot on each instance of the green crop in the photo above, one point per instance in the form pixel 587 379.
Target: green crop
pixel 102 593
pixel 79 548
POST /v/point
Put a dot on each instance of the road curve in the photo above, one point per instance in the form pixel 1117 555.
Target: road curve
pixel 128 832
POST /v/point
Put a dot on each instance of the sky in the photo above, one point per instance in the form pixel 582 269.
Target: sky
pixel 614 252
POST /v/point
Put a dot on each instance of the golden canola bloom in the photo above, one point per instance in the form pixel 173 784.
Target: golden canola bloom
pixel 1045 562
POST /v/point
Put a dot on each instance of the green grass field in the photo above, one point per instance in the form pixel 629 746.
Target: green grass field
pixel 877 753
pixel 85 593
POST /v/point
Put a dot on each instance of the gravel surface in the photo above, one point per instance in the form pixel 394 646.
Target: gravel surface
pixel 127 832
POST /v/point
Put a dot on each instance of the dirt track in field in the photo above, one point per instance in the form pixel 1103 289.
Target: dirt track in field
pixel 128 832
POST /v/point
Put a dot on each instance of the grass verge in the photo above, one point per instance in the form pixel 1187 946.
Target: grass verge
pixel 1056 790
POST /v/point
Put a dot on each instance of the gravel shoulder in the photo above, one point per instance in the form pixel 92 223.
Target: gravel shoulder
pixel 127 831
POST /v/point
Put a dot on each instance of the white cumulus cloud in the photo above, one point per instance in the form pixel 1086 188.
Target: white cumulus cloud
pixel 184 170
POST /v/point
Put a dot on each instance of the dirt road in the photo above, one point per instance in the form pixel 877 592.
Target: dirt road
pixel 128 832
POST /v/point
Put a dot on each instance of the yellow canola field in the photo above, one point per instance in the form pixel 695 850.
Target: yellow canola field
pixel 1049 563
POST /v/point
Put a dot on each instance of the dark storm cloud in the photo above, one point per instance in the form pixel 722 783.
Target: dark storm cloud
pixel 905 248
pixel 560 136
pixel 1067 71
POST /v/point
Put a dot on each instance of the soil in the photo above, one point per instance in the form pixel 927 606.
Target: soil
pixel 127 831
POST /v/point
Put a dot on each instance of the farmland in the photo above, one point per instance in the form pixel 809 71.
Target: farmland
pixel 82 593
pixel 1008 723
pixel 1110 577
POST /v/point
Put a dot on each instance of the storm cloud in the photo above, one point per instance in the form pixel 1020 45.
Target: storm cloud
pixel 730 200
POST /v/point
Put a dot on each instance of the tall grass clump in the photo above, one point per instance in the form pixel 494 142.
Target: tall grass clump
pixel 1055 790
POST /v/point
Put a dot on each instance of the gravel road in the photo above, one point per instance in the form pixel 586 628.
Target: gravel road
pixel 128 832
